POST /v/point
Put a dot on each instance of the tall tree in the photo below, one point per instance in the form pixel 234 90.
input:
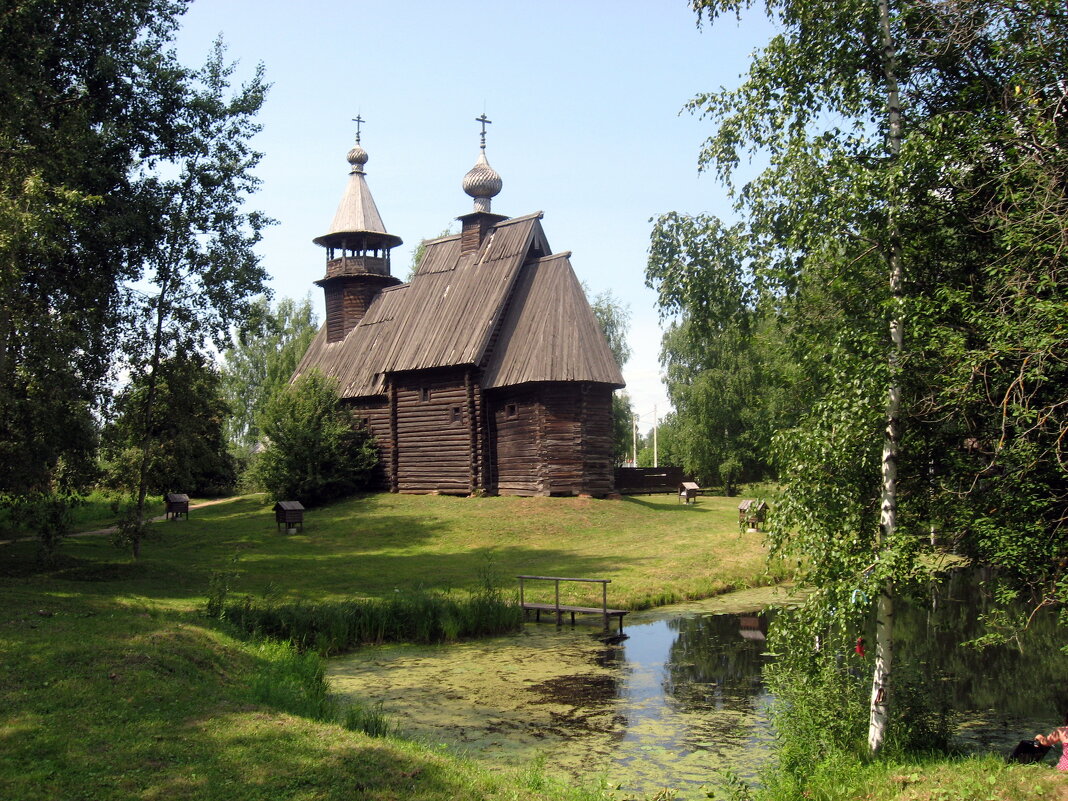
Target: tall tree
pixel 189 450
pixel 88 91
pixel 614 319
pixel 261 359
pixel 623 423
pixel 204 272
pixel 726 365
pixel 918 141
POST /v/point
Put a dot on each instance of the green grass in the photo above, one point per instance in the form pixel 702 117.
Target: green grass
pixel 934 778
pixel 101 510
pixel 97 510
pixel 653 549
pixel 114 684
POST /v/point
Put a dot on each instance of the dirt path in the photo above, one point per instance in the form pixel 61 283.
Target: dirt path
pixel 113 529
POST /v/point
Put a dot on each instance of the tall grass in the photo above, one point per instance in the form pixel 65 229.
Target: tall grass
pixel 295 682
pixel 418 617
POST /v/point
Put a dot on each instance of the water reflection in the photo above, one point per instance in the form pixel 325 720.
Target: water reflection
pixel 677 700
pixel 995 695
pixel 694 700
pixel 683 696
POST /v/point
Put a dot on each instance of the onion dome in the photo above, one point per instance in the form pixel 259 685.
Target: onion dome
pixel 357 157
pixel 482 182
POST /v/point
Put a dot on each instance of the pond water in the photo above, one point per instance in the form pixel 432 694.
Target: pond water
pixel 677 700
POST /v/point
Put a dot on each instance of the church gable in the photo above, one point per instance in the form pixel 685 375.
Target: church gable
pixel 451 310
pixel 550 332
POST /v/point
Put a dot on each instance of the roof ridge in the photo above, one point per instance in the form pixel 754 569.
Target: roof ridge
pixel 445 238
pixel 536 215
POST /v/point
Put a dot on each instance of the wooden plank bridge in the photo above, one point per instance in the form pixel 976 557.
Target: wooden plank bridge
pixel 559 609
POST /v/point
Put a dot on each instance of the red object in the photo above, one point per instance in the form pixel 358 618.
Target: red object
pixel 859 647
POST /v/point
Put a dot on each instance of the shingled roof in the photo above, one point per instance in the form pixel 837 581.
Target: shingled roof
pixel 448 314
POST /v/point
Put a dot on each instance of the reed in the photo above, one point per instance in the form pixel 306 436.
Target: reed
pixel 418 616
pixel 291 681
pixel 295 682
pixel 371 720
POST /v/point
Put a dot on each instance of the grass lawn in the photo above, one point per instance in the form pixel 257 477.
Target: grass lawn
pixel 114 685
pixel 654 549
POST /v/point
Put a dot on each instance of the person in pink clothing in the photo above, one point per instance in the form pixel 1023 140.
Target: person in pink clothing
pixel 1058 736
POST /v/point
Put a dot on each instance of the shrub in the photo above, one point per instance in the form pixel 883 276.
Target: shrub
pixel 314 453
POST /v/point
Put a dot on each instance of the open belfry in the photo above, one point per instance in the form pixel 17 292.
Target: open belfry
pixel 487 371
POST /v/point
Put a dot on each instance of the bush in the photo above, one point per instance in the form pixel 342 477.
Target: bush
pixel 314 452
pixel 49 515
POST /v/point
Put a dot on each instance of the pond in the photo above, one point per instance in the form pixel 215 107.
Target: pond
pixel 677 700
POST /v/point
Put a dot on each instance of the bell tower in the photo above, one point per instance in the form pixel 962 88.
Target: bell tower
pixel 357 251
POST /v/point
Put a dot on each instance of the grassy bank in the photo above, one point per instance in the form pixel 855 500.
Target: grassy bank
pixel 933 778
pixel 115 685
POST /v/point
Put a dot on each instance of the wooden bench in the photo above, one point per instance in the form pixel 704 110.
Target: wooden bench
pixel 558 609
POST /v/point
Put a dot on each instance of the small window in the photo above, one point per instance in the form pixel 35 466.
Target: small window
pixel 511 410
pixel 457 415
pixel 424 394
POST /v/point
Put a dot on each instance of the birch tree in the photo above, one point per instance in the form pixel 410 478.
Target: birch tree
pixel 87 90
pixel 913 172
pixel 204 272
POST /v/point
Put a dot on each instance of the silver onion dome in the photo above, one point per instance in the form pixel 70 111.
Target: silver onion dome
pixel 482 182
pixel 357 157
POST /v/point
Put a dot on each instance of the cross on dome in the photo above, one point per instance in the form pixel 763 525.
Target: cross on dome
pixel 484 122
pixel 357 156
pixel 482 182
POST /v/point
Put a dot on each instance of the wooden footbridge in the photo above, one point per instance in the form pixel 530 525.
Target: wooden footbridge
pixel 559 609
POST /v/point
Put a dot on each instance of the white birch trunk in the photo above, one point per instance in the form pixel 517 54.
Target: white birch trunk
pixel 884 624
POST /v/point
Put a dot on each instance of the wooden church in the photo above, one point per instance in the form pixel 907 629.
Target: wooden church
pixel 487 371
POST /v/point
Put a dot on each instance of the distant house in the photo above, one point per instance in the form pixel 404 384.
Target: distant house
pixel 487 372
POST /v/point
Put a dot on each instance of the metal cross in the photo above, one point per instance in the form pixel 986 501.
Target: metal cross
pixel 484 122
pixel 359 121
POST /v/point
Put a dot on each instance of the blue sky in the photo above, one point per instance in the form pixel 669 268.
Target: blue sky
pixel 585 98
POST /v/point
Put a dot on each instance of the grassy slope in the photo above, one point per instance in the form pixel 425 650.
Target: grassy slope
pixel 113 686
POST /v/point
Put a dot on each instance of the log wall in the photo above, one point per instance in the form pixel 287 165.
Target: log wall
pixel 557 441
pixel 516 423
pixel 597 441
pixel 577 437
pixel 347 300
pixel 437 432
pixel 434 443
pixel 374 413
